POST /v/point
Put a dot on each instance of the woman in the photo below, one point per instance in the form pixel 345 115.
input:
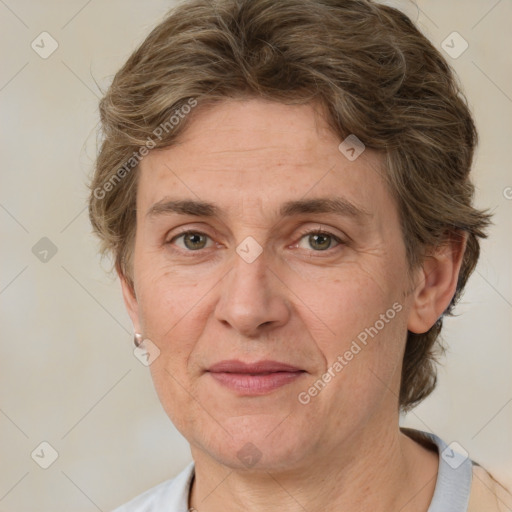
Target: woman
pixel 285 188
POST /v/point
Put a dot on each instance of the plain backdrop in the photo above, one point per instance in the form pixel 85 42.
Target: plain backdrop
pixel 68 373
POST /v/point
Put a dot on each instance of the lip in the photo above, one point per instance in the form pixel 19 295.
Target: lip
pixel 266 366
pixel 257 378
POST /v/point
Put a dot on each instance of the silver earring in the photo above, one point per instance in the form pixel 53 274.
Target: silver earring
pixel 137 339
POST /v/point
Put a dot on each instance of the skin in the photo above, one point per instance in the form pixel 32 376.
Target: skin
pixel 294 303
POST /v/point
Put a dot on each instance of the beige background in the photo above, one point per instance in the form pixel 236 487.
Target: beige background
pixel 68 374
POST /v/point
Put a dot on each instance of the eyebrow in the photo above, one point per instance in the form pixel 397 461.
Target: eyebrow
pixel 336 205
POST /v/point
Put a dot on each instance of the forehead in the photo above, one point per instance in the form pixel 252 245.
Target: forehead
pixel 261 152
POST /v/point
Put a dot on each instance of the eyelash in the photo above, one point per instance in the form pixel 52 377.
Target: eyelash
pixel 306 233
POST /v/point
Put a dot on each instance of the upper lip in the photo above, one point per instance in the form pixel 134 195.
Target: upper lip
pixel 266 366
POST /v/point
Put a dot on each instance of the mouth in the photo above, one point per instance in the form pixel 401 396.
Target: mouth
pixel 257 378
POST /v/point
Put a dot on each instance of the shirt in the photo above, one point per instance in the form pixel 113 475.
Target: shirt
pixel 461 486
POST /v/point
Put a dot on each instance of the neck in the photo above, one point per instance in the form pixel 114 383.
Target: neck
pixel 372 471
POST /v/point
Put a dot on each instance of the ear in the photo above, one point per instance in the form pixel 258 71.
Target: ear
pixel 436 283
pixel 130 300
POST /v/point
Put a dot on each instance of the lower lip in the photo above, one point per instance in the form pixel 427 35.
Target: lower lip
pixel 247 384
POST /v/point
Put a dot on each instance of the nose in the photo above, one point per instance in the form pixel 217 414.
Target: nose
pixel 252 298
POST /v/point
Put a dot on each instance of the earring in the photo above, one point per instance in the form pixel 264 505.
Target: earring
pixel 137 339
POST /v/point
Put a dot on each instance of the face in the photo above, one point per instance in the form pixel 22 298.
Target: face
pixel 271 274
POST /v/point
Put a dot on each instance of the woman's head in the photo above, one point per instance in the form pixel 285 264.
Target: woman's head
pixel 363 68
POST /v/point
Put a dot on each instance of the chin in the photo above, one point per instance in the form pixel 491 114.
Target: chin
pixel 254 443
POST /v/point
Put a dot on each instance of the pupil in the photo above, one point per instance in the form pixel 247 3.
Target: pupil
pixel 194 240
pixel 321 246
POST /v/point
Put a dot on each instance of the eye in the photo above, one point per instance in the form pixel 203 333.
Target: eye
pixel 191 240
pixel 320 240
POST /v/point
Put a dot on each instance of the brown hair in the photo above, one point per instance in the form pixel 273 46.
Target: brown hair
pixel 376 75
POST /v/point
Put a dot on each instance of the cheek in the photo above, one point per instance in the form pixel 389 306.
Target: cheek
pixel 165 296
pixel 175 395
pixel 172 316
pixel 346 302
pixel 359 326
pixel 170 310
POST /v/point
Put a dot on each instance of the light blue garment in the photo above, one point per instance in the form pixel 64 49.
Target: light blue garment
pixel 451 493
pixel 454 477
